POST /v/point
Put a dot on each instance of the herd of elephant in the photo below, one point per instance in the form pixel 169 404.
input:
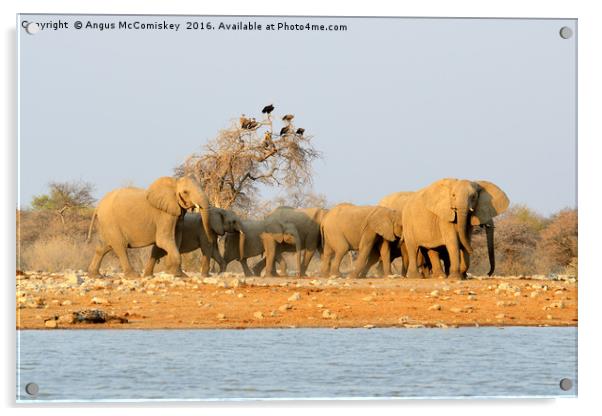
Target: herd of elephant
pixel 425 228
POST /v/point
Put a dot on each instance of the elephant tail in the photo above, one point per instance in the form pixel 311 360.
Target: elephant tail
pixel 91 226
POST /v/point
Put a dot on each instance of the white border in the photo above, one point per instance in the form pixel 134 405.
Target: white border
pixel 590 34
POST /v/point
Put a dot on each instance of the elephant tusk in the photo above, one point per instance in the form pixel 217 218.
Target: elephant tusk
pixel 471 209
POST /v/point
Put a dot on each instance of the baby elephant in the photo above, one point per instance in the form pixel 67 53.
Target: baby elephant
pixel 267 236
pixel 190 235
pixel 350 227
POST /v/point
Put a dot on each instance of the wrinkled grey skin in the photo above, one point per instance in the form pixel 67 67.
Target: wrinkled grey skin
pixel 307 221
pixel 261 236
pixel 193 237
pixel 351 227
pixel 134 217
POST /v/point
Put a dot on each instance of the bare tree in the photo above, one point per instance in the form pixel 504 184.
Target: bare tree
pixel 248 154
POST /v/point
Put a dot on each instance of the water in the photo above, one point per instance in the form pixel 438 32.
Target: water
pixel 296 363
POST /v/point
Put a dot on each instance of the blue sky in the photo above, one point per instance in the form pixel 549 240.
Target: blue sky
pixel 393 104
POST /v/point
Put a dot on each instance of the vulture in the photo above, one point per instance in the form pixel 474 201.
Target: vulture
pixel 285 130
pixel 244 122
pixel 267 109
pixel 300 131
pixel 288 117
pixel 252 124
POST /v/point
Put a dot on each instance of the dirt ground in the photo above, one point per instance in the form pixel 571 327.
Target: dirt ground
pixel 52 300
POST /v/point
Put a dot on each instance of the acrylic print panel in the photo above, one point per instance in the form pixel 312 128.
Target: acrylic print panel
pixel 157 258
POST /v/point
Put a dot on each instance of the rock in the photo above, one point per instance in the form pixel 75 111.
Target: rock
pixel 285 307
pixel 220 316
pixel 413 326
pixel 500 316
pixel 51 323
pixel 236 283
pixel 516 294
pixel 460 292
pixel 412 289
pixel 66 319
pixel 66 303
pixel 273 313
pixel 549 317
pixel 504 286
pixel 534 294
pixel 441 325
pixel 504 303
pixel 319 306
pixel 328 315
pixel 240 296
pixel 150 292
pixel 73 279
pixel 456 310
pixel 210 280
pixel 258 315
pixel 99 301
pixel 472 297
pixel 558 293
pixel 435 307
pixel 55 301
pixel 446 288
pixel 404 319
pixel 294 297
pixel 435 293
pixel 368 326
pixel 368 299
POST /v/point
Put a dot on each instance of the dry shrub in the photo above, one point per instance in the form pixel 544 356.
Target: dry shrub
pixel 55 254
pixel 558 244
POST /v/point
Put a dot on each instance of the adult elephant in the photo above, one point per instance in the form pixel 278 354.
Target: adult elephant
pixel 193 236
pixel 134 217
pixel 351 227
pixel 267 236
pixel 442 215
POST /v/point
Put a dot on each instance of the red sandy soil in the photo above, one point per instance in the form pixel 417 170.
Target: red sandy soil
pixel 232 301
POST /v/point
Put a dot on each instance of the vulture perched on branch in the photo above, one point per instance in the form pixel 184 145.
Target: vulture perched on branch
pixel 267 109
pixel 285 130
pixel 300 131
pixel 288 118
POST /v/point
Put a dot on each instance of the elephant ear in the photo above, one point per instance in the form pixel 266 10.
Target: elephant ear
pixel 161 194
pixel 492 202
pixel 381 221
pixel 276 230
pixel 217 220
pixel 437 199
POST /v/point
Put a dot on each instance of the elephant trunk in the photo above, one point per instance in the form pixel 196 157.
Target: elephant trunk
pixel 490 247
pixel 204 209
pixel 462 217
pixel 241 238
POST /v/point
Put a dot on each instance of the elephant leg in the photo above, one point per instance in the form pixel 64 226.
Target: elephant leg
pixel 326 257
pixel 99 253
pixel 156 254
pixel 307 256
pixel 365 247
pixel 453 249
pixel 404 258
pixel 336 263
pixel 436 270
pixel 245 267
pixel 270 254
pixel 464 263
pixel 373 259
pixel 174 259
pixel 219 260
pixel 126 268
pixel 205 265
pixel 385 256
pixel 257 268
pixel 412 272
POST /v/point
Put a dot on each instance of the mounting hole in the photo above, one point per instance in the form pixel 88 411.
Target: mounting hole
pixel 32 389
pixel 566 32
pixel 566 384
pixel 32 28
